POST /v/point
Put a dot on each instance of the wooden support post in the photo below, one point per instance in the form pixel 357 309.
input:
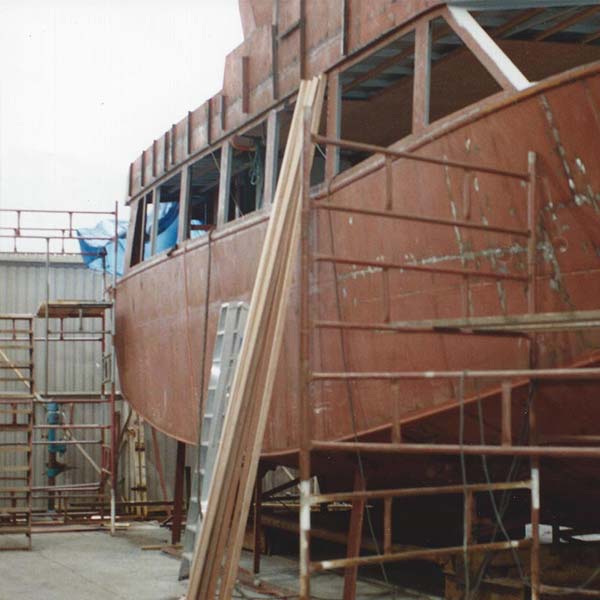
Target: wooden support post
pixel 422 76
pixel 387 525
pixel 173 137
pixel 154 157
pixel 385 275
pixel 354 537
pixel 389 184
pixel 158 464
pixel 209 122
pixel 257 522
pixel 143 170
pixel 178 494
pixel 302 33
pixel 166 150
pixel 245 84
pixel 130 182
pixel 275 49
pixel 332 155
pixel 223 109
pixel 345 26
pixel 396 427
pixel 470 515
pixel 224 184
pixel 272 156
pixel 506 413
pixel 188 132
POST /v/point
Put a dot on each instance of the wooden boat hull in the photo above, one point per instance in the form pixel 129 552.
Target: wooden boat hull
pixel 162 303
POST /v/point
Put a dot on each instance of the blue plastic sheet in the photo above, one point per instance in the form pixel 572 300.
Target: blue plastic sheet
pixel 98 252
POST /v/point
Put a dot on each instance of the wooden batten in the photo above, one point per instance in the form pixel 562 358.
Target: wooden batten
pixel 223 108
pixel 245 84
pixel 208 122
pixel 143 170
pixel 218 546
pixel 188 131
pixel 422 77
pixel 154 144
pixel 173 143
pixel 166 144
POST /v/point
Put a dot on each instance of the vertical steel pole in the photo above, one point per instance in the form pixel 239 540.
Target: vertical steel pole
pixel 305 402
pixel 113 377
pixel 533 359
pixel 46 319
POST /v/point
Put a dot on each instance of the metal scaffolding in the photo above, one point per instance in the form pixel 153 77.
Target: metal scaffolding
pixel 526 327
pixel 69 322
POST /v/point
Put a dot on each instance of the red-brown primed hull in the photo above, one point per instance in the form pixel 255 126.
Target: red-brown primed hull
pixel 161 304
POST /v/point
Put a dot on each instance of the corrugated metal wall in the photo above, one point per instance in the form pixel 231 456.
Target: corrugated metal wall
pixel 73 367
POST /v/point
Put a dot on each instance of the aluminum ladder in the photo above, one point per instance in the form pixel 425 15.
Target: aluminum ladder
pixel 228 342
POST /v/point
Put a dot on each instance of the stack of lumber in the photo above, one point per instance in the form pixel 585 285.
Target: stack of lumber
pixel 218 546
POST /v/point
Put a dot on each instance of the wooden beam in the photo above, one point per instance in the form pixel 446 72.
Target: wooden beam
pixel 166 144
pixel 209 122
pixel 188 132
pixel 521 18
pixel 224 184
pixel 182 229
pixel 272 156
pixel 257 524
pixel 334 119
pixel 223 108
pixel 154 144
pixel 245 84
pixel 275 49
pixel 173 143
pixel 130 182
pixel 302 32
pixel 143 170
pixel 218 548
pixel 566 23
pixel 354 537
pixel 489 54
pixel 345 25
pixel 422 78
pixel 178 494
pixel 274 62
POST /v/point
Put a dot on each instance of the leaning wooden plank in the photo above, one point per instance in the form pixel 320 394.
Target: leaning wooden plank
pixel 264 394
pixel 261 395
pixel 238 465
pixel 206 562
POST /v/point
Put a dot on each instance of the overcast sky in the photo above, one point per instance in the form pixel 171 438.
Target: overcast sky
pixel 86 85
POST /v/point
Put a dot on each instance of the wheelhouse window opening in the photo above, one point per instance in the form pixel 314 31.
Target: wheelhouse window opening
pixel 376 98
pixel 548 41
pixel 203 195
pixel 138 235
pixel 247 178
pixel 166 216
pixel 147 221
pixel 457 78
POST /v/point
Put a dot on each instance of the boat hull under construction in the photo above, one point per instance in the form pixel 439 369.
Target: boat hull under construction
pixel 464 246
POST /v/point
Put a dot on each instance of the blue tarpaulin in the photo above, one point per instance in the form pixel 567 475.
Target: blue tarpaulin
pixel 98 252
pixel 94 250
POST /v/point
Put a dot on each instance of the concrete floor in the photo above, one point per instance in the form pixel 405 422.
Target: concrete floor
pixel 96 566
